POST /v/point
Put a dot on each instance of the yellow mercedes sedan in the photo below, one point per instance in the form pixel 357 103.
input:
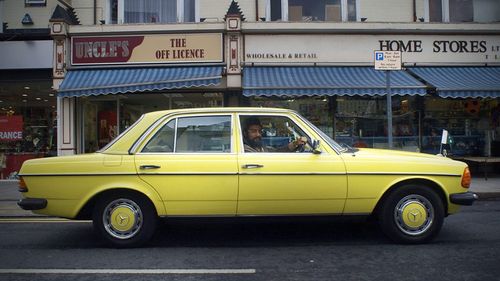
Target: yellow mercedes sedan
pixel 237 162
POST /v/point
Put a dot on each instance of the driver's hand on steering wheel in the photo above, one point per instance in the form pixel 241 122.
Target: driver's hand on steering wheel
pixel 299 142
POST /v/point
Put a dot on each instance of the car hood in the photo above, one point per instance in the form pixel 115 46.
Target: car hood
pixel 393 161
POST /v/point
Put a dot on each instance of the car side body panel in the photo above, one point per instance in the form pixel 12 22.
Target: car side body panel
pixel 69 182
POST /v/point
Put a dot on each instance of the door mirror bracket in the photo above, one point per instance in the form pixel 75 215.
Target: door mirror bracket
pixel 315 147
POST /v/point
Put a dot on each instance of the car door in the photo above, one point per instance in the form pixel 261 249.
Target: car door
pixel 289 183
pixel 191 162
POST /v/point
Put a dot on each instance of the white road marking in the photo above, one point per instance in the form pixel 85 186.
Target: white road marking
pixel 126 271
pixel 41 220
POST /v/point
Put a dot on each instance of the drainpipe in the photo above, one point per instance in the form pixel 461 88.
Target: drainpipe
pixel 95 12
pixel 414 10
pixel 256 10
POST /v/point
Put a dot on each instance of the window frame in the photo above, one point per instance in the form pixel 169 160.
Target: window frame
pixel 158 125
pixel 445 11
pixel 121 11
pixel 344 12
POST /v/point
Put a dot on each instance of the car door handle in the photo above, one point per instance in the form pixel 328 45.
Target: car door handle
pixel 149 167
pixel 252 166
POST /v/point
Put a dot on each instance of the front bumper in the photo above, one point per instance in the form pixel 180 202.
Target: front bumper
pixel 466 198
pixel 32 203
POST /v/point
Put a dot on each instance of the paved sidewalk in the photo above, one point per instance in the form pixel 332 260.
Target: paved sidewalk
pixel 486 189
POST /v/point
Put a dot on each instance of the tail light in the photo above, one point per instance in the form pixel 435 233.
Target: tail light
pixel 22 187
pixel 466 178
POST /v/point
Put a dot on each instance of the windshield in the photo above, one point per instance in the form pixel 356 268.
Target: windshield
pixel 325 137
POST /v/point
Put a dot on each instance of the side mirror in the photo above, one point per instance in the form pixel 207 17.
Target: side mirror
pixel 315 147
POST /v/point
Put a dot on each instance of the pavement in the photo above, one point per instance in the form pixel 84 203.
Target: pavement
pixel 487 189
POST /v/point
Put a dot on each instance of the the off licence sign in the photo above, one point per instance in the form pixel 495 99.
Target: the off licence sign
pixel 387 60
pixel 156 48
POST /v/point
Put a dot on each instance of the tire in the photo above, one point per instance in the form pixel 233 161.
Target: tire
pixel 124 219
pixel 411 214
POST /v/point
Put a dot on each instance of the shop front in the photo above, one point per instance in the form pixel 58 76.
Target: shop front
pixel 28 126
pixel 114 79
pixel 447 82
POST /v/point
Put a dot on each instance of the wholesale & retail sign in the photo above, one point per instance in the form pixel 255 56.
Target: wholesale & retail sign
pixel 171 48
pixel 11 128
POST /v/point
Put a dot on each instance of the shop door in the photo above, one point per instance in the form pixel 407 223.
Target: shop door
pixel 195 175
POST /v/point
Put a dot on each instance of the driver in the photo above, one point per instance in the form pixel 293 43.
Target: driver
pixel 252 139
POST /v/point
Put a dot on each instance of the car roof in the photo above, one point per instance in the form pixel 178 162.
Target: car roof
pixel 221 110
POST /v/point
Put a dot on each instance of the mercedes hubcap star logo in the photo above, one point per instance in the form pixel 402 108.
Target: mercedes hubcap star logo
pixel 413 214
pixel 122 219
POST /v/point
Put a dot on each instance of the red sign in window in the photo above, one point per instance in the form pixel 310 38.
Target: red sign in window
pixel 11 128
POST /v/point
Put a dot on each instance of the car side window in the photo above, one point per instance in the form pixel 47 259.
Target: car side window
pixel 211 134
pixel 275 134
pixel 163 140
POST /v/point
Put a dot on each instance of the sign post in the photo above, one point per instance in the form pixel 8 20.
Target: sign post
pixel 388 60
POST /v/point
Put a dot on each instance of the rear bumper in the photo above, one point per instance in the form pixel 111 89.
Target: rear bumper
pixel 32 203
pixel 466 198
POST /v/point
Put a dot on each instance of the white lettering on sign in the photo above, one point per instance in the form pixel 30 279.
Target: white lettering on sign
pixel 11 135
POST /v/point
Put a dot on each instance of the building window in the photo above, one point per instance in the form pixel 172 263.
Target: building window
pixel 435 11
pixel 463 11
pixel 152 11
pixel 315 10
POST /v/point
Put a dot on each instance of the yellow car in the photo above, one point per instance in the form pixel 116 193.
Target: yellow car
pixel 236 162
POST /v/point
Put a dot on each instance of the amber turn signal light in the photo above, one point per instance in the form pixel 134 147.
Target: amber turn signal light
pixel 466 178
pixel 22 187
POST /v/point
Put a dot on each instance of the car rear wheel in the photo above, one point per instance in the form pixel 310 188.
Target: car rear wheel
pixel 412 214
pixel 124 220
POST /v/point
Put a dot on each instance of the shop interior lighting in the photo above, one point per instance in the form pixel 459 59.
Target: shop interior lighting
pixel 26 87
pixel 25 95
pixel 38 98
pixel 51 95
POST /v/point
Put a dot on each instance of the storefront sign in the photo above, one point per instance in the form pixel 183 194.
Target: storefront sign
pixel 359 49
pixel 171 48
pixel 11 128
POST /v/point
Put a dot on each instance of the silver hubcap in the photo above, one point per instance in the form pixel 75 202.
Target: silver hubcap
pixel 414 214
pixel 122 218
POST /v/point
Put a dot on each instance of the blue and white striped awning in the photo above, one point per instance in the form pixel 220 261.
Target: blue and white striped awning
pixel 462 82
pixel 124 80
pixel 326 81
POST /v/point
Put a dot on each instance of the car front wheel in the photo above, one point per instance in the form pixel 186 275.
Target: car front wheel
pixel 412 214
pixel 124 220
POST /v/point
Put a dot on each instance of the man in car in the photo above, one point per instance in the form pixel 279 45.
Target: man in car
pixel 252 139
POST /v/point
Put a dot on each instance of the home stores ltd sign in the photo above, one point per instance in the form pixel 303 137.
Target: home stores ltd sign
pixel 349 49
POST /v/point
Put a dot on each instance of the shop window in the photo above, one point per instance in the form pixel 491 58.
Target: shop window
pixel 28 126
pixel 152 11
pixel 463 11
pixel 362 122
pixel 318 110
pixel 467 122
pixel 316 10
pixel 105 117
